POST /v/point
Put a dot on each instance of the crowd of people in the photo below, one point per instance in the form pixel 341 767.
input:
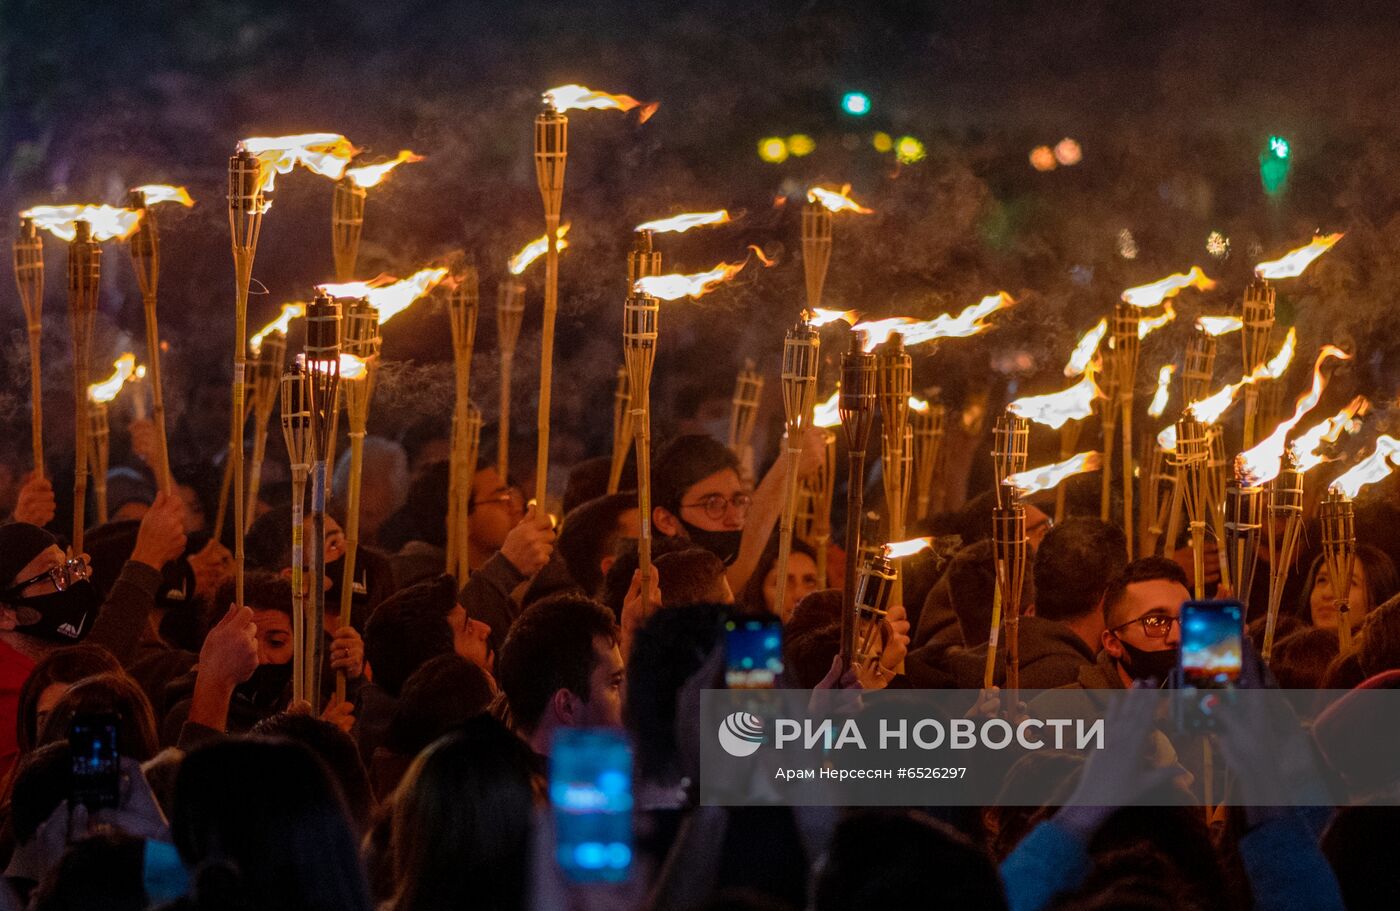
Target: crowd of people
pixel 425 785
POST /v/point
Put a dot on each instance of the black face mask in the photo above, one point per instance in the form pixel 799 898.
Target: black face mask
pixel 335 571
pixel 723 544
pixel 65 616
pixel 1142 664
pixel 267 686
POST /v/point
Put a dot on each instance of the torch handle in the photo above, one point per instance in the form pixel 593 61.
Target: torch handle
pixel 240 367
pixel 1280 563
pixel 1198 554
pixel 36 398
pixel 790 457
pixel 352 540
pixel 855 506
pixel 503 424
pixel 993 637
pixel 298 583
pixel 316 626
pixel 1110 429
pixel 641 422
pixel 255 472
pixel 1128 480
pixel 551 308
pixel 81 444
pixel 162 466
pixel 1251 414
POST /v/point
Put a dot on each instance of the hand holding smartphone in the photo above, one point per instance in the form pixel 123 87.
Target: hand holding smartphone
pixel 95 772
pixel 1212 656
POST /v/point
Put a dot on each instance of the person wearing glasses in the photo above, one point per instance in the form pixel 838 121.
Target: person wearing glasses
pixel 1142 620
pixel 698 494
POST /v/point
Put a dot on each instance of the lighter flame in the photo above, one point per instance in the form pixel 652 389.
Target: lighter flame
pixel 123 369
pixel 161 192
pixel 1163 393
pixel 1056 408
pixel 897 550
pixel 535 249
pixel 965 324
pixel 1294 262
pixel 837 200
pixel 1305 446
pixel 388 295
pixel 828 413
pixel 1150 324
pixel 369 175
pixel 1046 477
pixel 1083 353
pixel 679 224
pixel 107 222
pixel 280 324
pixel 1216 326
pixel 918 406
pixel 1151 295
pixel 577 97
pixel 1257 466
pixel 1166 440
pixel 1370 469
pixel 820 316
pixel 326 154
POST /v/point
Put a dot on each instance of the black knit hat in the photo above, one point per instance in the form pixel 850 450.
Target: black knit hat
pixel 20 542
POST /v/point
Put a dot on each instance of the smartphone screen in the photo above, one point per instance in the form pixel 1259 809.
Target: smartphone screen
pixel 95 774
pixel 753 653
pixel 590 790
pixel 1212 643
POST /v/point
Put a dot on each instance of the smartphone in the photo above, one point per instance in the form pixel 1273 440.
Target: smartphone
pixel 1212 655
pixel 95 767
pixel 753 653
pixel 590 791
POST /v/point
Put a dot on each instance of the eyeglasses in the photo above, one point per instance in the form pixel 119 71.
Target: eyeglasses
pixel 1154 626
pixel 61 576
pixel 510 497
pixel 716 504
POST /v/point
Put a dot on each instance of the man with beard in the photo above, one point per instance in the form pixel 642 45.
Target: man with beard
pixel 1142 620
pixel 698 494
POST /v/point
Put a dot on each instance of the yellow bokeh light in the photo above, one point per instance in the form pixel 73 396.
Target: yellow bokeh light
pixel 909 150
pixel 773 149
pixel 1068 152
pixel 799 144
pixel 882 142
pixel 1042 158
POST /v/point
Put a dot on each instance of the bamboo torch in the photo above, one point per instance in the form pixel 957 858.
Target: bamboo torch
pixel 1190 456
pixel 816 248
pixel 1337 513
pixel 927 418
pixel 895 383
pixel 347 222
pixel 463 305
pixel 1010 446
pixel 856 406
pixel 1257 311
pixel 360 349
pixel 298 435
pixel 246 204
pixel 29 277
pixel 84 279
pixel 748 395
pixel 551 155
pixel 510 310
pixel 639 332
pixel 1124 363
pixel 322 355
pixel 821 489
pixel 269 354
pixel 801 352
pixel 99 435
pixel 622 428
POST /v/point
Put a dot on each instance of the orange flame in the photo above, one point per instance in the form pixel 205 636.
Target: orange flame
pixel 107 222
pixel 1163 393
pixel 837 200
pixel 1292 264
pixel 162 192
pixel 576 97
pixel 535 249
pixel 897 550
pixel 1166 440
pixel 676 285
pixel 820 316
pixel 1083 353
pixel 351 367
pixel 1305 446
pixel 1370 469
pixel 828 413
pixel 389 295
pixel 1211 408
pixel 1151 295
pixel 366 176
pixel 965 324
pixel 1046 477
pixel 1150 324
pixel 679 224
pixel 280 324
pixel 123 369
pixel 1276 367
pixel 1216 326
pixel 326 154
pixel 1259 465
pixel 1056 408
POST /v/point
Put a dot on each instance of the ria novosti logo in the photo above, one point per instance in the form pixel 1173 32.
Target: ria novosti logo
pixel 741 734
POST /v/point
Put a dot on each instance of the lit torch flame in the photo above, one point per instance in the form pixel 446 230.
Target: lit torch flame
pixel 161 192
pixel 280 324
pixel 535 249
pixel 1046 477
pixel 388 295
pixel 326 154
pixel 123 369
pixel 107 222
pixel 820 316
pixel 918 406
pixel 1150 324
pixel 366 176
pixel 1163 393
pixel 676 285
pixel 1277 366
pixel 679 224
pixel 1305 446
pixel 351 367
pixel 1211 408
pixel 576 97
pixel 1056 408
pixel 1370 469
pixel 1083 353
pixel 837 200
pixel 1166 440
pixel 1257 466
pixel 1145 296
pixel 1216 326
pixel 828 413
pixel 897 550
pixel 1292 264
pixel 967 323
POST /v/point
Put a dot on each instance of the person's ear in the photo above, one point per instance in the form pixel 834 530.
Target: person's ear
pixel 1028 610
pixel 606 563
pixel 1111 644
pixel 665 521
pixel 565 708
pixel 286 573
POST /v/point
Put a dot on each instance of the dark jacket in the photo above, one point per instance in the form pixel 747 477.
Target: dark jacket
pixel 1052 655
pixel 487 597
